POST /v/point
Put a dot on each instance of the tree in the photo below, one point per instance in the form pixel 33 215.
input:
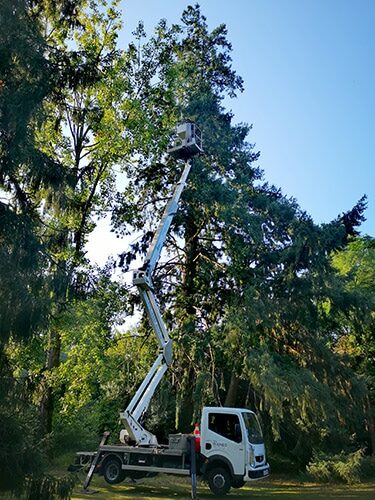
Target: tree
pixel 97 121
pixel 25 82
pixel 250 314
pixel 77 132
pixel 26 79
pixel 356 263
pixel 192 96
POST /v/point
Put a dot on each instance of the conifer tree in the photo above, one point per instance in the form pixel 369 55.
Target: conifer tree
pixel 247 277
pixel 27 78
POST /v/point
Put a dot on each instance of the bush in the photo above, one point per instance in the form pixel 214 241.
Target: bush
pixel 21 453
pixel 47 487
pixel 342 467
pixel 72 438
pixel 23 460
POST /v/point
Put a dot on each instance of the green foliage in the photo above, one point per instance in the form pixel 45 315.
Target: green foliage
pixel 99 368
pixel 24 303
pixel 20 453
pixel 303 408
pixel 342 467
pixel 80 433
pixel 47 487
pixel 261 313
pixel 356 264
pixel 24 83
pixel 35 246
pixel 259 302
pixel 23 452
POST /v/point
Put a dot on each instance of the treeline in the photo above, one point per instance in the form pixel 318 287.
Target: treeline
pixel 267 309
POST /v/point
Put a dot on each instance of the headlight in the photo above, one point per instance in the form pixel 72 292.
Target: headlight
pixel 252 457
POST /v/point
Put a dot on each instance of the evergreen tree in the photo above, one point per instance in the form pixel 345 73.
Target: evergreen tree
pixel 27 77
pixel 249 316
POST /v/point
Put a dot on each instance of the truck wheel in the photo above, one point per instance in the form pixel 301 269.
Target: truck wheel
pixel 238 483
pixel 112 472
pixel 219 481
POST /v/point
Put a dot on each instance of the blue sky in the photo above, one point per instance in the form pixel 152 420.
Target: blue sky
pixel 309 74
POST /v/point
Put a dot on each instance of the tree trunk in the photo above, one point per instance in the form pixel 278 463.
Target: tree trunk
pixel 47 402
pixel 190 270
pixel 231 396
pixel 187 330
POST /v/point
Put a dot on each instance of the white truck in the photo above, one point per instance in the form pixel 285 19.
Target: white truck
pixel 231 450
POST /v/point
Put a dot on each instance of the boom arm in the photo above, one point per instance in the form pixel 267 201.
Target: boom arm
pixel 142 279
pixel 189 144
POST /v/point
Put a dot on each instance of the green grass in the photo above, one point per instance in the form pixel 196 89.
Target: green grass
pixel 277 487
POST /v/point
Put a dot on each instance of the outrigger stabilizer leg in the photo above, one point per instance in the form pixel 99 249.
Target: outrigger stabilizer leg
pixel 93 466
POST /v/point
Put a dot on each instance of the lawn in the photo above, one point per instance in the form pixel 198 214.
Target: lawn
pixel 277 487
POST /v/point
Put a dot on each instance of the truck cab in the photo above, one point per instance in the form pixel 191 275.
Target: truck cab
pixel 233 448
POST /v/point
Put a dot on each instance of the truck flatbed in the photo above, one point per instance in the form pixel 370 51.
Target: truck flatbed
pixel 149 459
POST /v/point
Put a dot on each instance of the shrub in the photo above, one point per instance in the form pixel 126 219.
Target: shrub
pixel 21 453
pixel 47 487
pixel 341 467
pixel 73 437
pixel 23 460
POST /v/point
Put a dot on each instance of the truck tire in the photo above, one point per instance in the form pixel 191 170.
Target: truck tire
pixel 112 472
pixel 219 481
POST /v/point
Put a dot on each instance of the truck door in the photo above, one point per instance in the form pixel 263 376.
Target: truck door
pixel 223 436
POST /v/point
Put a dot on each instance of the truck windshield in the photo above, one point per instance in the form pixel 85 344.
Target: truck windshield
pixel 254 432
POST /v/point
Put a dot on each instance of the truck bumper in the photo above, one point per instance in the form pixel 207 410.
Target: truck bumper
pixel 253 474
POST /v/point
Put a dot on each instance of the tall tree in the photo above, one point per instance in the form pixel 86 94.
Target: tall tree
pixel 254 269
pixel 198 78
pixel 25 82
pixel 27 78
pixel 98 121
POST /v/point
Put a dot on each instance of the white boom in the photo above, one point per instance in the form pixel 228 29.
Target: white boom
pixel 187 143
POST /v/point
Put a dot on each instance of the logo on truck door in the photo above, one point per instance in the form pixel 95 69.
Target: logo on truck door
pixel 219 444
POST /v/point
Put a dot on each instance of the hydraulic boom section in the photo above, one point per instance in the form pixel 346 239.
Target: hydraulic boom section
pixel 187 143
